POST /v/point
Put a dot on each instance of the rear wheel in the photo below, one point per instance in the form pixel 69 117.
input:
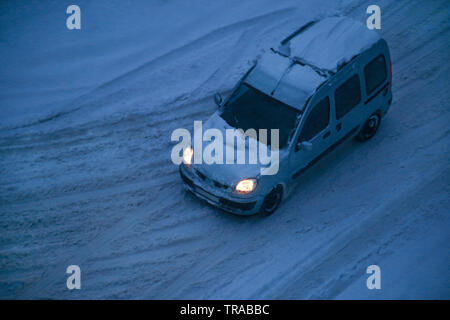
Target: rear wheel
pixel 370 128
pixel 272 201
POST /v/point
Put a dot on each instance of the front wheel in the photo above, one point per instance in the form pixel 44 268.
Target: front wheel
pixel 370 128
pixel 272 201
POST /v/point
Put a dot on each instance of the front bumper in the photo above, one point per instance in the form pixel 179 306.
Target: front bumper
pixel 217 197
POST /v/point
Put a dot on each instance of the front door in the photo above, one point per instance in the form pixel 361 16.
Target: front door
pixel 316 130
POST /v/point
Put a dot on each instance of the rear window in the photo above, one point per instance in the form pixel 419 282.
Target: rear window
pixel 347 96
pixel 375 73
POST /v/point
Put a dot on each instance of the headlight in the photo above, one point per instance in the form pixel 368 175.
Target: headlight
pixel 245 186
pixel 187 156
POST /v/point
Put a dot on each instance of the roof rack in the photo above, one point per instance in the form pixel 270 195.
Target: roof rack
pixel 298 31
pixel 321 72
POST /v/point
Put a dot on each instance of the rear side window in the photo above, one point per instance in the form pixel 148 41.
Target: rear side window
pixel 347 96
pixel 317 120
pixel 375 73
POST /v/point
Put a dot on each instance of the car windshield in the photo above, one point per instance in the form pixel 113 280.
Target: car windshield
pixel 250 108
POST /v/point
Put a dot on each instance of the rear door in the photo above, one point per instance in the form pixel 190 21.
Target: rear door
pixel 349 107
pixel 377 84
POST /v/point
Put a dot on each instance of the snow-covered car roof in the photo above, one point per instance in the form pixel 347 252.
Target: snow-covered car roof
pixel 285 80
pixel 330 42
pixel 308 57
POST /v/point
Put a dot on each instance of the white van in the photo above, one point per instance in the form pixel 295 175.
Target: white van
pixel 327 82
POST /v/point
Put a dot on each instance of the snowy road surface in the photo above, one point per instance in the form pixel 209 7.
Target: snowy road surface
pixel 86 176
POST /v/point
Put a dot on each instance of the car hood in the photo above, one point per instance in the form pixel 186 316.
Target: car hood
pixel 228 174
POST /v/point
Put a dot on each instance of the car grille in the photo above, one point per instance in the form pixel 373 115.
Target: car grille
pixel 211 181
pixel 236 205
pixel 225 203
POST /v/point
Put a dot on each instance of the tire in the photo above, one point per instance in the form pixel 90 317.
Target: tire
pixel 370 128
pixel 272 201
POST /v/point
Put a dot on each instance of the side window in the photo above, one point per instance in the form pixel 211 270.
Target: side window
pixel 317 120
pixel 375 73
pixel 347 96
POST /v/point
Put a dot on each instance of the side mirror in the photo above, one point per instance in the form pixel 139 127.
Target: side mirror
pixel 218 99
pixel 304 145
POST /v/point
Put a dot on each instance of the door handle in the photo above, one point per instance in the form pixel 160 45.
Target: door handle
pixel 339 126
pixel 327 134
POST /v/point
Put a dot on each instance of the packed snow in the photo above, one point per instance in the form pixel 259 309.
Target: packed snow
pixel 86 177
pixel 332 41
pixel 297 85
pixel 285 80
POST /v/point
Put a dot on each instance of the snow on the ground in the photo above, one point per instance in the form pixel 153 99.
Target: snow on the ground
pixel 154 52
pixel 86 176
